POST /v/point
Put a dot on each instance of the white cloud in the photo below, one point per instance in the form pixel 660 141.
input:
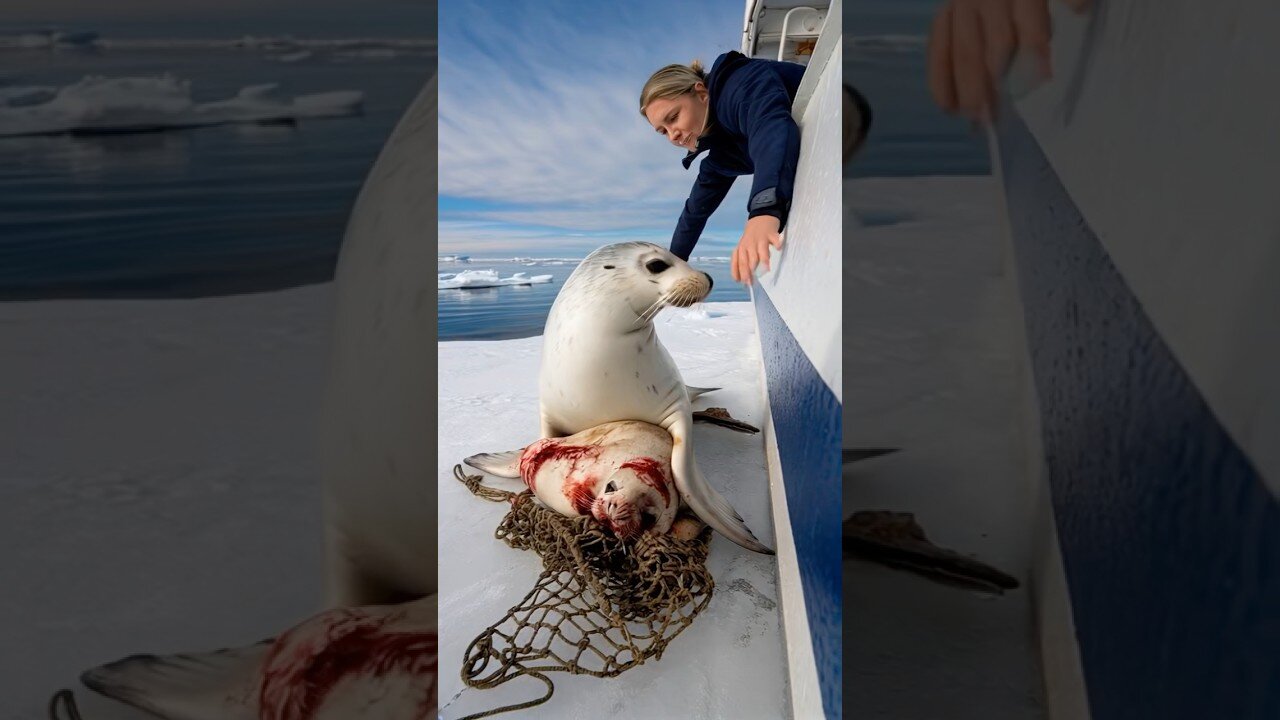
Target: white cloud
pixel 553 123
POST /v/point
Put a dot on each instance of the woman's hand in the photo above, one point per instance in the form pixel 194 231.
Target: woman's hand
pixel 972 42
pixel 761 232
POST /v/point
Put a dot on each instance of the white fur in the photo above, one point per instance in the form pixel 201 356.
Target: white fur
pixel 379 415
pixel 602 362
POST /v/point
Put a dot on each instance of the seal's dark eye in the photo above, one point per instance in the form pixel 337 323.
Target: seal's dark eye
pixel 608 267
pixel 656 266
pixel 611 487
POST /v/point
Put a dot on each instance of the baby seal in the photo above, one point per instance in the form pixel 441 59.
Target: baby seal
pixel 618 473
pixel 374 661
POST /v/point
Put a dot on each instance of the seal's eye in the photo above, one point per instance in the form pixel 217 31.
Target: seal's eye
pixel 611 487
pixel 608 267
pixel 656 266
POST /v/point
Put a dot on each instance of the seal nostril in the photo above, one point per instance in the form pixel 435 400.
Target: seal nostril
pixel 711 282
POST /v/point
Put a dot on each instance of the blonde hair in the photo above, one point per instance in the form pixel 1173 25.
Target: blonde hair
pixel 670 82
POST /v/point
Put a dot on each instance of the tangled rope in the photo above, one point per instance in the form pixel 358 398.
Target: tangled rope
pixel 601 605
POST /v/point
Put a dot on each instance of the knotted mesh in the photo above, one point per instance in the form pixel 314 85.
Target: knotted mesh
pixel 601 605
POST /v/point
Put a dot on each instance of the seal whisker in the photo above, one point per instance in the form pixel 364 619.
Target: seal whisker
pixel 644 316
pixel 656 307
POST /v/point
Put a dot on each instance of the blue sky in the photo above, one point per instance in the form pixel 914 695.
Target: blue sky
pixel 543 150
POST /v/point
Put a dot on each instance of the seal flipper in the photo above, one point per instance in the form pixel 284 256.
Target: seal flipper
pixel 721 417
pixel 503 464
pixel 697 392
pixel 703 499
pixel 849 456
pixel 220 685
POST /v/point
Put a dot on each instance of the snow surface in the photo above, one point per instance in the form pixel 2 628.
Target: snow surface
pixel 100 104
pixel 487 279
pixel 159 490
pixel 931 344
pixel 729 663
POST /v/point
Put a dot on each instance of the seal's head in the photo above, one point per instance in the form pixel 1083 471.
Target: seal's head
pixel 638 496
pixel 630 282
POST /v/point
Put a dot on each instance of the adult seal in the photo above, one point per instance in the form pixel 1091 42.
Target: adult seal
pixel 379 410
pixel 602 362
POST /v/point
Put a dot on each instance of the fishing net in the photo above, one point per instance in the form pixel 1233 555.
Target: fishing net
pixel 601 605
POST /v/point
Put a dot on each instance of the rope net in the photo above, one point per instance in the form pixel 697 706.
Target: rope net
pixel 601 605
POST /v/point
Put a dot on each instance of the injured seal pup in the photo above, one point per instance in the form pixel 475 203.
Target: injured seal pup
pixel 602 362
pixel 618 473
pixel 376 662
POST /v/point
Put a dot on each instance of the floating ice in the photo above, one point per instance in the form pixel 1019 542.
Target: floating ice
pixel 486 279
pixel 48 39
pixel 291 57
pixel 19 96
pixel 101 105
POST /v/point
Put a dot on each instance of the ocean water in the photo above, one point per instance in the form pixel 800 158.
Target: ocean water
pixel 884 57
pixel 193 212
pixel 909 135
pixel 521 310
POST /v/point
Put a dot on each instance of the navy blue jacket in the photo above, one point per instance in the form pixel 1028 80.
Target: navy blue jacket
pixel 751 132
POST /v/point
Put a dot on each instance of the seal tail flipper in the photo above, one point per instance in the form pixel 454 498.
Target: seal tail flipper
pixel 220 685
pixel 697 392
pixel 853 455
pixel 503 464
pixel 705 501
pixel 723 420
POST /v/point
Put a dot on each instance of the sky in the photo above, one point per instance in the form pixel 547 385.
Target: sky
pixel 232 18
pixel 543 151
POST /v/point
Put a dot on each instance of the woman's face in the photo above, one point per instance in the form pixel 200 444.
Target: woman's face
pixel 680 118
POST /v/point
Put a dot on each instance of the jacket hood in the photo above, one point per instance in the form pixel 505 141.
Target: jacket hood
pixel 720 71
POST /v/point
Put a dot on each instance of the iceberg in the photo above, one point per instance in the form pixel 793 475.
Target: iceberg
pixel 141 104
pixel 469 279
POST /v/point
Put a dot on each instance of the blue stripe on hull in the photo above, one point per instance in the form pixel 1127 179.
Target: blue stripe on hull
pixel 1170 540
pixel 807 426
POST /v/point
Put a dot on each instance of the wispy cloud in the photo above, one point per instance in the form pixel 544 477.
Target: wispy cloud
pixel 539 115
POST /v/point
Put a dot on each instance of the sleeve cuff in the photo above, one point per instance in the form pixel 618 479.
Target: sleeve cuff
pixel 763 199
pixel 772 210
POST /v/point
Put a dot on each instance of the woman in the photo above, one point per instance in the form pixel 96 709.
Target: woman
pixel 740 114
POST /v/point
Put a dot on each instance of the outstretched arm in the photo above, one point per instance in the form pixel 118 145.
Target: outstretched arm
pixel 707 194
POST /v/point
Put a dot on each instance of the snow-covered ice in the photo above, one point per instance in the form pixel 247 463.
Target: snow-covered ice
pixel 100 104
pixel 932 332
pixel 468 279
pixel 730 662
pixel 159 490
